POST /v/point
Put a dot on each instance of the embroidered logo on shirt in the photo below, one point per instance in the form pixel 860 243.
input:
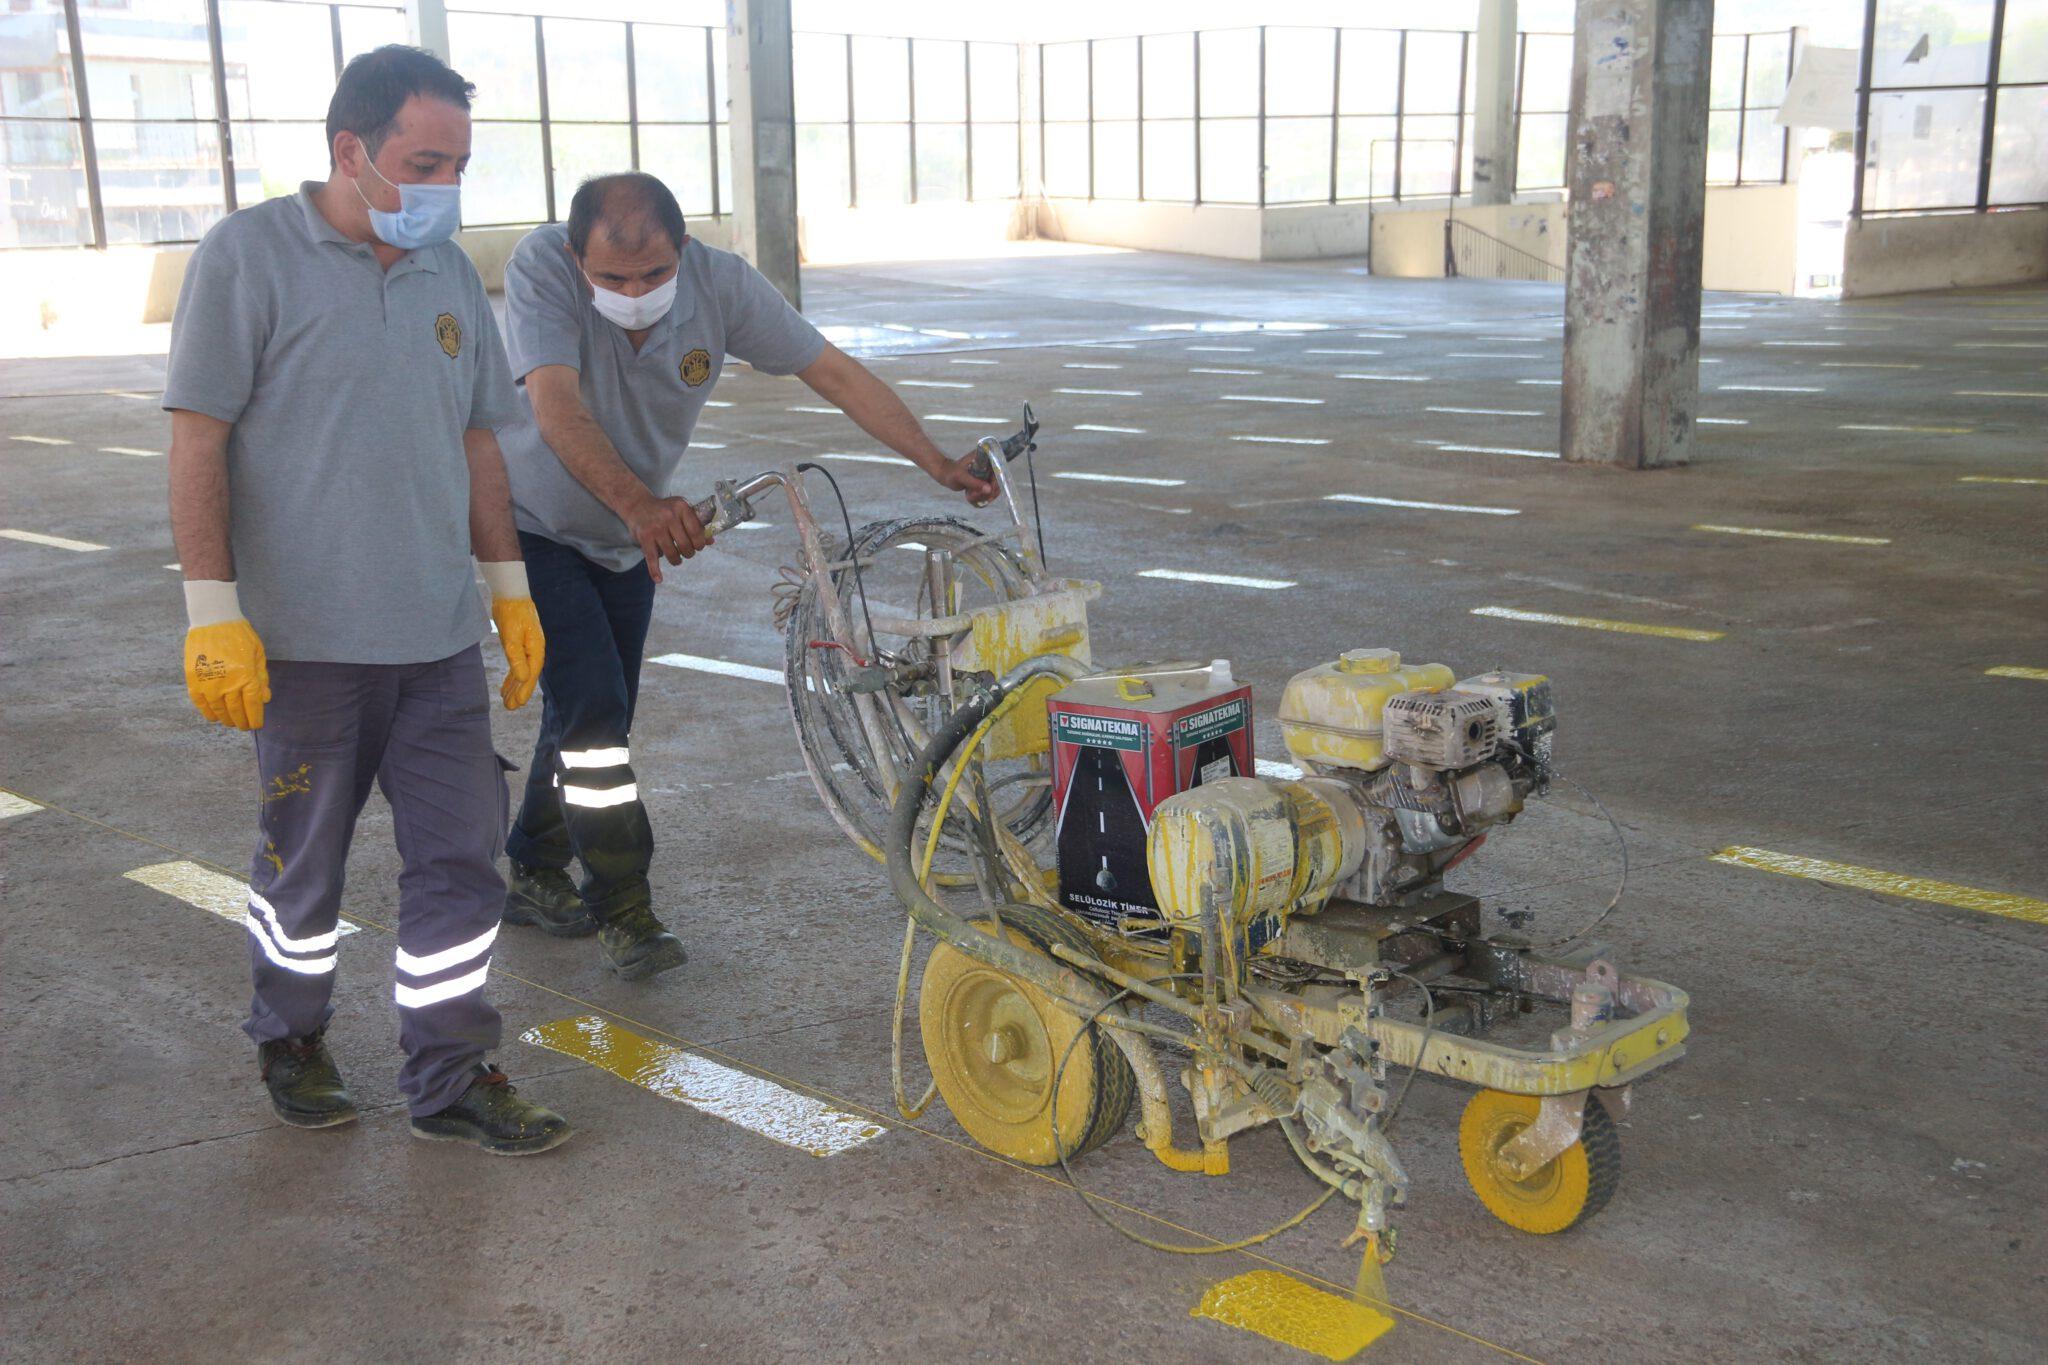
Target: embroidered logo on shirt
pixel 696 367
pixel 448 332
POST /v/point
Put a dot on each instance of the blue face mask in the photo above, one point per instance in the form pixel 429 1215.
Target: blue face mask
pixel 427 214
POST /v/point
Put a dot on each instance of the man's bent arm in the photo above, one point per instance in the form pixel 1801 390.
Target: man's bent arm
pixel 199 495
pixel 493 538
pixel 580 443
pixel 874 407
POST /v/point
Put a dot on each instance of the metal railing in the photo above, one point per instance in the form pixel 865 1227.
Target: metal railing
pixel 1473 254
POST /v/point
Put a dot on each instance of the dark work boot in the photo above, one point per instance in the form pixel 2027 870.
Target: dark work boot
pixel 306 1090
pixel 545 898
pixel 636 945
pixel 491 1115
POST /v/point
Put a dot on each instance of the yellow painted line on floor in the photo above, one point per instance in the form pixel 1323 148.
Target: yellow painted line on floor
pixel 12 805
pixel 40 440
pixel 2015 671
pixel 54 542
pixel 2000 393
pixel 1888 883
pixel 211 891
pixel 1794 535
pixel 1281 1308
pixel 740 1097
pixel 1596 623
pixel 1995 478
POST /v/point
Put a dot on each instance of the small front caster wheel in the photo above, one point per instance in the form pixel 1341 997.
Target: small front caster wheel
pixel 1562 1193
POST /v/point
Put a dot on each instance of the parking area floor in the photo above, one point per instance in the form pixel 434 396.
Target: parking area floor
pixel 1826 638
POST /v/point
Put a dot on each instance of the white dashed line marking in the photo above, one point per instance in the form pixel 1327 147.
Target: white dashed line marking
pixel 1867 365
pixel 972 362
pixel 1104 393
pixel 1722 421
pixel 1806 343
pixel 12 805
pixel 1283 440
pixel 1325 350
pixel 1224 580
pixel 1424 506
pixel 1239 350
pixel 1497 450
pixel 1381 336
pixel 54 542
pixel 721 403
pixel 1083 365
pixel 1769 388
pixel 865 459
pixel 934 384
pixel 1545 383
pixel 1196 369
pixel 1114 431
pixel 720 666
pixel 1489 355
pixel 961 417
pixel 40 440
pixel 1488 412
pixel 1999 393
pixel 1389 378
pixel 214 892
pixel 1923 431
pixel 130 450
pixel 1122 478
pixel 1264 398
pixel 707 445
pixel 2002 345
pixel 813 409
pixel 1794 535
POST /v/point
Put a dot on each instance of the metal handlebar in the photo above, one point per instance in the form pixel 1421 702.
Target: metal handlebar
pixel 1018 443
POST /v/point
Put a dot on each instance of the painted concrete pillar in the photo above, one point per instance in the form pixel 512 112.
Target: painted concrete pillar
pixel 426 25
pixel 1493 105
pixel 1636 166
pixel 757 48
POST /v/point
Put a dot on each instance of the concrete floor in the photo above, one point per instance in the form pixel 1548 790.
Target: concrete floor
pixel 1848 1166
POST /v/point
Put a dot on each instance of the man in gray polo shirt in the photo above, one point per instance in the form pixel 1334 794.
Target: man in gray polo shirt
pixel 334 377
pixel 618 324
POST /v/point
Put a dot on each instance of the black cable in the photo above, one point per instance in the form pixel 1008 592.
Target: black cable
pixel 1037 518
pixel 860 588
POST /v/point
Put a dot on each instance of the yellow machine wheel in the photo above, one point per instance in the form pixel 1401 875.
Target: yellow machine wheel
pixel 1565 1191
pixel 994 1045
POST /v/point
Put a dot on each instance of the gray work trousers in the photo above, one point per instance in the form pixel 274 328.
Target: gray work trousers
pixel 422 733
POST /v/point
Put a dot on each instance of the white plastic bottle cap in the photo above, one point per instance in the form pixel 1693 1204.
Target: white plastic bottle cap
pixel 1219 674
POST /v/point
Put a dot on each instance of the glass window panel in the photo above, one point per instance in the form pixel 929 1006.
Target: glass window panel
pixel 1924 149
pixel 722 134
pixel 504 182
pixel 44 200
pixel 881 81
pixel 995 82
pixel 1768 73
pixel 364 29
pixel 1547 73
pixel 35 73
pixel 941 84
pixel 149 59
pixel 1539 163
pixel 1763 148
pixel 2024 56
pixel 1300 70
pixel 1116 160
pixel 941 161
pixel 1724 78
pixel 881 160
pixel 1169 159
pixel 496 51
pixel 272 158
pixel 2019 148
pixel 821 182
pixel 1169 78
pixel 584 150
pixel 159 182
pixel 279 59
pixel 669 67
pixel 1466 143
pixel 1297 160
pixel 1066 160
pixel 1428 156
pixel 818 62
pixel 1065 70
pixel 1230 77
pixel 680 157
pixel 995 160
pixel 1365 156
pixel 1435 62
pixel 586 69
pixel 1371 76
pixel 721 98
pixel 1721 143
pixel 1230 157
pixel 1931 44
pixel 1116 78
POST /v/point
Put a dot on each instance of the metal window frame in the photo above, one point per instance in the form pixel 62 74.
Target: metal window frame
pixel 1990 88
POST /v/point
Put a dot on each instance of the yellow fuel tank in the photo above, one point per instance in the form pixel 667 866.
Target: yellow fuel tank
pixel 1331 715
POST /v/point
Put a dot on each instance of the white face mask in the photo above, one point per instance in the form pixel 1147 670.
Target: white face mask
pixel 635 314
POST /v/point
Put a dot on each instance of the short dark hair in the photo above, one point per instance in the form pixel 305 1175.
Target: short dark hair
pixel 375 86
pixel 630 204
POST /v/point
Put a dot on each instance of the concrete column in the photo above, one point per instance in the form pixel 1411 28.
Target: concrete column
pixel 426 25
pixel 1637 172
pixel 1493 105
pixel 757 49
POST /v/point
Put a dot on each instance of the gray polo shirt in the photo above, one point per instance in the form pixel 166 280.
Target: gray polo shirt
pixel 349 387
pixel 646 403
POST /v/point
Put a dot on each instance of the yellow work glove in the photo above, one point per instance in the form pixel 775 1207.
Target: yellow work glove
pixel 226 672
pixel 519 629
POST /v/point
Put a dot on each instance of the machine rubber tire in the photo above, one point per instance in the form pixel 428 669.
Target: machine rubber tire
pixel 1565 1191
pixel 1006 1105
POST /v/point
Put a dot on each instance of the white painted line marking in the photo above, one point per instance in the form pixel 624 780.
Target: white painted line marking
pixel 1240 350
pixel 1197 369
pixel 1722 421
pixel 129 450
pixel 54 542
pixel 1390 378
pixel 1794 535
pixel 211 891
pixel 1722 327
pixel 973 362
pixel 1283 440
pixel 1806 343
pixel 1424 506
pixel 720 666
pixel 1489 355
pixel 1925 431
pixel 857 458
pixel 1599 623
pixel 1381 336
pixel 1084 365
pixel 1488 412
pixel 1118 431
pixel 1122 478
pixel 755 526
pixel 40 440
pixel 1336 350
pixel 1867 365
pixel 707 445
pixel 142 397
pixel 934 384
pixel 801 408
pixel 1104 393
pixel 962 417
pixel 1536 339
pixel 1265 398
pixel 1226 580
pixel 1546 383
pixel 721 403
pixel 1496 450
pixel 1768 388
pixel 2000 393
pixel 2002 345
pixel 1995 478
pixel 12 805
pixel 1286 772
